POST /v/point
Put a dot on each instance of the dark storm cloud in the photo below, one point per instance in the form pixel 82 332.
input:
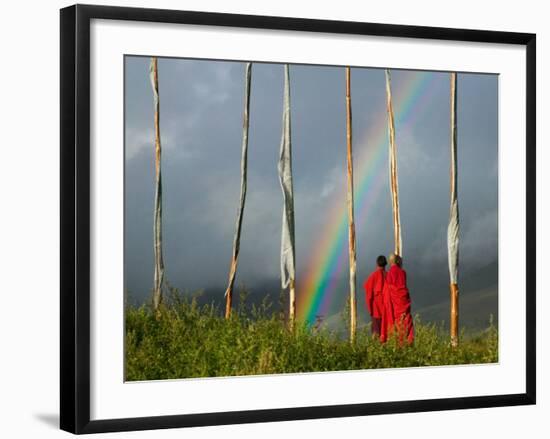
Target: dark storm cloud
pixel 201 119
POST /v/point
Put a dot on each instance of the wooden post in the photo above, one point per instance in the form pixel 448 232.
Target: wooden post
pixel 394 184
pixel 454 315
pixel 292 305
pixel 454 223
pixel 228 302
pixel 351 223
pixel 157 218
pixel 240 212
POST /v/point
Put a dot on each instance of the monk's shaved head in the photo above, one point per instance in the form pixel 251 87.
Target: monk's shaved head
pixel 395 259
pixel 381 261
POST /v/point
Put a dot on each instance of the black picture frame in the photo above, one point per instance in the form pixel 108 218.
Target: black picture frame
pixel 75 217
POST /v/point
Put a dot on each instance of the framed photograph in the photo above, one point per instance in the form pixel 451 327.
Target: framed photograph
pixel 273 218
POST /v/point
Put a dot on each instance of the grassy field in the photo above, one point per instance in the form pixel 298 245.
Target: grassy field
pixel 188 339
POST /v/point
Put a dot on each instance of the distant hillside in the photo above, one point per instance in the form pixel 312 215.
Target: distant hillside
pixel 431 289
pixel 430 297
pixel 478 300
pixel 475 309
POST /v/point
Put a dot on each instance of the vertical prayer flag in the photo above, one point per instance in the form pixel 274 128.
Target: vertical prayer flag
pixel 394 184
pixel 244 165
pixel 454 224
pixel 288 271
pixel 157 218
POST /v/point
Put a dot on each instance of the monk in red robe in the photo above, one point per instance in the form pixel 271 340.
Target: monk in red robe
pixel 397 304
pixel 374 286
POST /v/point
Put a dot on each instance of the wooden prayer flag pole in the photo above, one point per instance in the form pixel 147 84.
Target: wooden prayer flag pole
pixel 394 184
pixel 454 224
pixel 157 218
pixel 288 253
pixel 244 166
pixel 351 223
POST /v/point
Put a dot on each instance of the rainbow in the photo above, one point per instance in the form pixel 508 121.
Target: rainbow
pixel 328 258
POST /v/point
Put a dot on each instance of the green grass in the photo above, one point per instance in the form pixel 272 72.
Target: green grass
pixel 188 339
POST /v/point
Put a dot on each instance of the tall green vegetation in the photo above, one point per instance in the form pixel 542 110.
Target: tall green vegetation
pixel 186 339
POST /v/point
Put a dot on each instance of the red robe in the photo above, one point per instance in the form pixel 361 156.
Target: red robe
pixel 397 306
pixel 374 286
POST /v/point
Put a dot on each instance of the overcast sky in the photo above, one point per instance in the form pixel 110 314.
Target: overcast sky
pixel 201 127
